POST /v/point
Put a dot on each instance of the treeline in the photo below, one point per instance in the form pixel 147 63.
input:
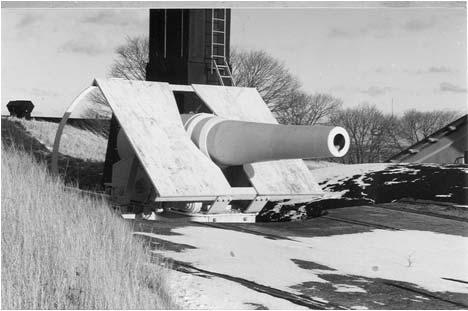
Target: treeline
pixel 375 136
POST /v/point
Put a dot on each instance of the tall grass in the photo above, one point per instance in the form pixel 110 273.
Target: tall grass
pixel 75 142
pixel 62 250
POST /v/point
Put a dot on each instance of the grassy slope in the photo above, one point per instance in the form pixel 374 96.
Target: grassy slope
pixel 63 250
pixel 75 142
pixel 84 173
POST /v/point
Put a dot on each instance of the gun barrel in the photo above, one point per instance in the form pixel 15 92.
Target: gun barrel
pixel 231 142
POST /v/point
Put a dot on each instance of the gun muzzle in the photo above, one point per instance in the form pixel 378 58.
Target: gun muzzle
pixel 230 142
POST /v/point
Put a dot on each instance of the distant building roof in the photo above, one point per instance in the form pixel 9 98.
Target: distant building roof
pixel 446 145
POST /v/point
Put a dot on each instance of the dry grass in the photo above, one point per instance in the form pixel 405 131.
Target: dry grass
pixel 61 250
pixel 75 142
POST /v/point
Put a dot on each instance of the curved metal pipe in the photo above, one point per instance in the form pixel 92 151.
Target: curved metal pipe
pixel 63 122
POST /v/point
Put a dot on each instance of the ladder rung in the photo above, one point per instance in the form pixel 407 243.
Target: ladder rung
pixel 218 19
pixel 226 77
pixel 223 66
pixel 216 43
pixel 217 56
pixel 218 31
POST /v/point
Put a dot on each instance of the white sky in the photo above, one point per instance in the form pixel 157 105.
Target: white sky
pixel 417 56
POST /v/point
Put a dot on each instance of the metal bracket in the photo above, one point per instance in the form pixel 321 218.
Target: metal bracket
pixel 220 205
pixel 257 204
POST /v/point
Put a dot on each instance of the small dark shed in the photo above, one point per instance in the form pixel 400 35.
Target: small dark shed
pixel 20 108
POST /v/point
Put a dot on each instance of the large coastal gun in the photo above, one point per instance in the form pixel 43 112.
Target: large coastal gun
pixel 231 142
pixel 220 166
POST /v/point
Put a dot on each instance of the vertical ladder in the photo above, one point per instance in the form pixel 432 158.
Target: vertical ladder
pixel 219 63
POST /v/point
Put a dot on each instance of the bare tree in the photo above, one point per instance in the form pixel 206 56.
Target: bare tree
pixel 272 79
pixel 99 108
pixel 416 125
pixel 131 60
pixel 300 108
pixel 280 89
pixel 277 86
pixel 132 57
pixel 369 130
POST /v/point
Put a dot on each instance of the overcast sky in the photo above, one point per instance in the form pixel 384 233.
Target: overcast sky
pixel 415 56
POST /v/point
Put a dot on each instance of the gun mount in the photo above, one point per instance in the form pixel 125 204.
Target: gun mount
pixel 224 166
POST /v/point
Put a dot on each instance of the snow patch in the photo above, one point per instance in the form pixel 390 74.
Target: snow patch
pixel 347 288
pixel 194 292
pixel 316 164
pixel 402 169
pixel 267 262
pixel 360 181
pixel 334 174
pixel 385 254
pixel 376 254
pixel 320 299
pixel 444 195
pixel 392 182
pixel 421 297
